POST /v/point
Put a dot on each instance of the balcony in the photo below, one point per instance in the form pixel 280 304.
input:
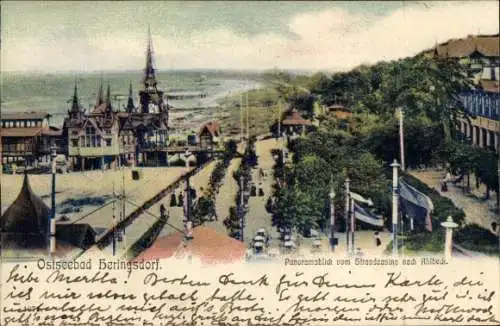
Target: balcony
pixel 92 151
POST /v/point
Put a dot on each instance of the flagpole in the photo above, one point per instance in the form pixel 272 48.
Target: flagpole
pixel 353 225
pixel 395 207
pixel 332 219
pixel 347 209
pixel 241 118
pixel 248 127
pixel 401 139
pixel 279 118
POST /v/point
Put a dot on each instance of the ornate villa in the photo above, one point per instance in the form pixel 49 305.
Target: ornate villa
pixel 103 136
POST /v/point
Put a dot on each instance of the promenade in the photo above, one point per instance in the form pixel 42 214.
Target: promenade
pixel 476 209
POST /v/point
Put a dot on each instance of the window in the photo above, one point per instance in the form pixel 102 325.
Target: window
pixel 82 141
pixel 74 142
pixel 90 137
pixel 108 142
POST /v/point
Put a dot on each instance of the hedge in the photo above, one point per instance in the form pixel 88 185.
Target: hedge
pixel 470 236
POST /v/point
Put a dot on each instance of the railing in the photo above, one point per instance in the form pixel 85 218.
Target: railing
pixel 489 115
pixel 107 238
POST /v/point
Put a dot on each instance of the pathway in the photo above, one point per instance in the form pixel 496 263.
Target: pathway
pixel 476 210
pixel 257 216
pixel 143 222
pixel 225 198
pixel 176 214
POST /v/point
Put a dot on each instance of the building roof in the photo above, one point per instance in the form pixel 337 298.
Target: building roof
pixel 99 109
pixel 207 245
pixel 20 132
pixel 27 214
pixel 487 45
pixel 293 118
pixel 79 235
pixel 52 131
pixel 492 86
pixel 212 127
pixel 33 115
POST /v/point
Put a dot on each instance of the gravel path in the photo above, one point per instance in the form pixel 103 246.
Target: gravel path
pixel 257 216
pixel 142 223
pixel 225 197
pixel 476 210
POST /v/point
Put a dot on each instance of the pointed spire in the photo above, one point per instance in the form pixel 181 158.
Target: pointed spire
pixel 100 99
pixel 26 184
pixel 75 106
pixel 108 98
pixel 130 103
pixel 108 94
pixel 149 71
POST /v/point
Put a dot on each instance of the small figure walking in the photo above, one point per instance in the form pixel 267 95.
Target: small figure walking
pixel 162 211
pixel 173 200
pixel 444 185
pixel 378 242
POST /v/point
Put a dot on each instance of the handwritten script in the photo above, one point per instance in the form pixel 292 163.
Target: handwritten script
pixel 262 295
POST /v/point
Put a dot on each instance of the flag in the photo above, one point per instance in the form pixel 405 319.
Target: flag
pixel 366 216
pixel 415 204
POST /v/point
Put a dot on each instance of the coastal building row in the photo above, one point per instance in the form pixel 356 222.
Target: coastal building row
pixel 481 56
pixel 103 137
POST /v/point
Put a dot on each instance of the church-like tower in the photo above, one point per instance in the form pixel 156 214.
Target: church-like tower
pixel 76 111
pixel 130 102
pixel 151 99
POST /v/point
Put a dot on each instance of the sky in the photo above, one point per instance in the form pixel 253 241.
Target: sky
pixel 329 36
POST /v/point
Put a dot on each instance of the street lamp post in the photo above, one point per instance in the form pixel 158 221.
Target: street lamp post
pixel 395 200
pixel 347 210
pixel 400 114
pixel 242 215
pixel 449 225
pixel 332 220
pixel 187 154
pixel 114 219
pixel 52 224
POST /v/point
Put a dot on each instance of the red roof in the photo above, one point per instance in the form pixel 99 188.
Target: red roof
pixel 490 85
pixel 24 115
pixel 212 127
pixel 487 45
pixel 207 245
pixel 20 132
pixel 294 119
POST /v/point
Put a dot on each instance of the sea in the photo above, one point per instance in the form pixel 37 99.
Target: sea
pixel 52 92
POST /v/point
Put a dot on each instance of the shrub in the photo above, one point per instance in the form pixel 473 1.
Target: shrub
pixel 476 238
pixel 443 207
